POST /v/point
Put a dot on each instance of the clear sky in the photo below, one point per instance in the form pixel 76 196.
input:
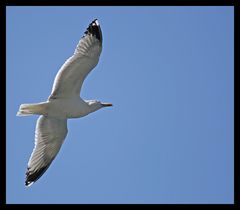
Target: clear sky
pixel 169 136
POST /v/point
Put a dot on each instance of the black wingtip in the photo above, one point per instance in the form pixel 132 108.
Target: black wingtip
pixel 94 29
pixel 32 177
pixel 94 20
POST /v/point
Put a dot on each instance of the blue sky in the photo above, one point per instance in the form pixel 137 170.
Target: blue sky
pixel 169 136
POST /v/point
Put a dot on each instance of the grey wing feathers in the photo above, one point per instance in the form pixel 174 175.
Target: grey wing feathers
pixel 49 136
pixel 69 79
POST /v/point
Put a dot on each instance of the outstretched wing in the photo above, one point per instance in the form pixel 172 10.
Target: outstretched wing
pixel 70 77
pixel 49 136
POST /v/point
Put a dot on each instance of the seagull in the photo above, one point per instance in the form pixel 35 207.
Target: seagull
pixel 63 103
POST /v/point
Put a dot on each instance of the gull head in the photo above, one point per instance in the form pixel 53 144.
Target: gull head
pixel 94 105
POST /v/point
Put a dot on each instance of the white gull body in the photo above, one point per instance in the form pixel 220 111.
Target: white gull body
pixel 64 102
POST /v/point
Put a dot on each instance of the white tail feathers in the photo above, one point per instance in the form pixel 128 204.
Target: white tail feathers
pixel 30 109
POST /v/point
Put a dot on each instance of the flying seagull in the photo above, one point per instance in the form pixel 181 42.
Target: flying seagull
pixel 64 102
